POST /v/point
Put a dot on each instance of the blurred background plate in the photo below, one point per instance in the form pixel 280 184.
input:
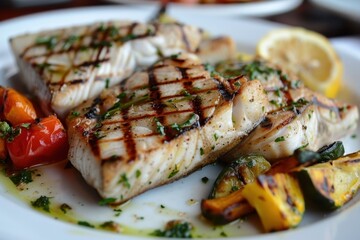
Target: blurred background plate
pixel 259 8
pixel 348 8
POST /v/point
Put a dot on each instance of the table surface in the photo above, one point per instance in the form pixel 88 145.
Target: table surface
pixel 306 15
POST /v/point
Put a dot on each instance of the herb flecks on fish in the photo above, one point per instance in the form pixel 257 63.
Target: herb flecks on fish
pixel 123 104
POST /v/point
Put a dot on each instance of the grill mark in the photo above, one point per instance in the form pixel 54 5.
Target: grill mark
pixel 156 115
pixel 352 161
pixel 286 121
pixel 92 45
pixel 331 108
pixel 184 36
pixel 155 95
pixel 196 102
pixel 266 123
pixel 129 141
pixel 223 90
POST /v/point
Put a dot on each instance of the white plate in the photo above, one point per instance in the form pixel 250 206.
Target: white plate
pixel 349 8
pixel 18 220
pixel 257 8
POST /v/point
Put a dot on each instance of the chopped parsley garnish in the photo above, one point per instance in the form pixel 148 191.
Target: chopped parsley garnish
pixel 49 42
pixel 113 31
pixel 65 207
pixel 159 127
pixel 185 93
pixel 106 201
pixel 175 229
pixel 274 102
pixel 254 70
pixel 194 118
pixel 124 180
pixel 117 212
pixel 223 234
pixel 174 171
pixel 137 173
pixel 295 84
pixel 107 83
pixel 280 139
pixel 69 42
pixel 102 43
pixel 216 137
pixel 74 114
pixel 353 136
pixel 162 206
pixel 121 104
pixel 42 202
pixel 8 132
pixel 174 56
pixel 204 179
pixel 85 224
pixel 301 102
pixel 25 176
pixel 98 135
pixel 278 92
pixel 201 151
pixel 128 37
pixel 110 225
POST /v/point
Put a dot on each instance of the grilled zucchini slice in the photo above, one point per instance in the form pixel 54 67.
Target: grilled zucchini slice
pixel 303 158
pixel 332 184
pixel 238 173
pixel 226 202
pixel 277 199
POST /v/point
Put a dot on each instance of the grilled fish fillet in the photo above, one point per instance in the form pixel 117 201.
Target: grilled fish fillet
pixel 64 67
pixel 298 116
pixel 161 124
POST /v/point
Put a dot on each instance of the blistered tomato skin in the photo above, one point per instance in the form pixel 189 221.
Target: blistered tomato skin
pixel 42 142
pixel 15 108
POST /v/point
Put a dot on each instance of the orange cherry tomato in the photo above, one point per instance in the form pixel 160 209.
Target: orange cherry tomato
pixel 15 108
pixel 42 142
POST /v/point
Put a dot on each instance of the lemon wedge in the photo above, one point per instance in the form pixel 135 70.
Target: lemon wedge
pixel 305 53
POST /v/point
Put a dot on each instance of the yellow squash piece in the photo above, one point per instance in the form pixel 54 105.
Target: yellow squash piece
pixel 223 210
pixel 277 199
pixel 333 183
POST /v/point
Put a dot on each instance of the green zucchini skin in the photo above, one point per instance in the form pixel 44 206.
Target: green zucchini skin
pixel 331 184
pixel 331 151
pixel 239 173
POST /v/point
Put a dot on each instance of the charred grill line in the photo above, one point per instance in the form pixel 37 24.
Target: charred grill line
pixel 155 95
pixel 130 144
pixel 156 115
pixel 184 37
pixel 223 90
pixel 331 108
pixel 196 102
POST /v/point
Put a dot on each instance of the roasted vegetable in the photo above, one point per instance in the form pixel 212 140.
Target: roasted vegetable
pixel 238 173
pixel 40 142
pixel 303 158
pixel 15 108
pixel 226 202
pixel 331 152
pixel 333 183
pixel 225 209
pixel 277 199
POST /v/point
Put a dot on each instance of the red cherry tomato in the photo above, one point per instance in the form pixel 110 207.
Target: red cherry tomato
pixel 41 142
